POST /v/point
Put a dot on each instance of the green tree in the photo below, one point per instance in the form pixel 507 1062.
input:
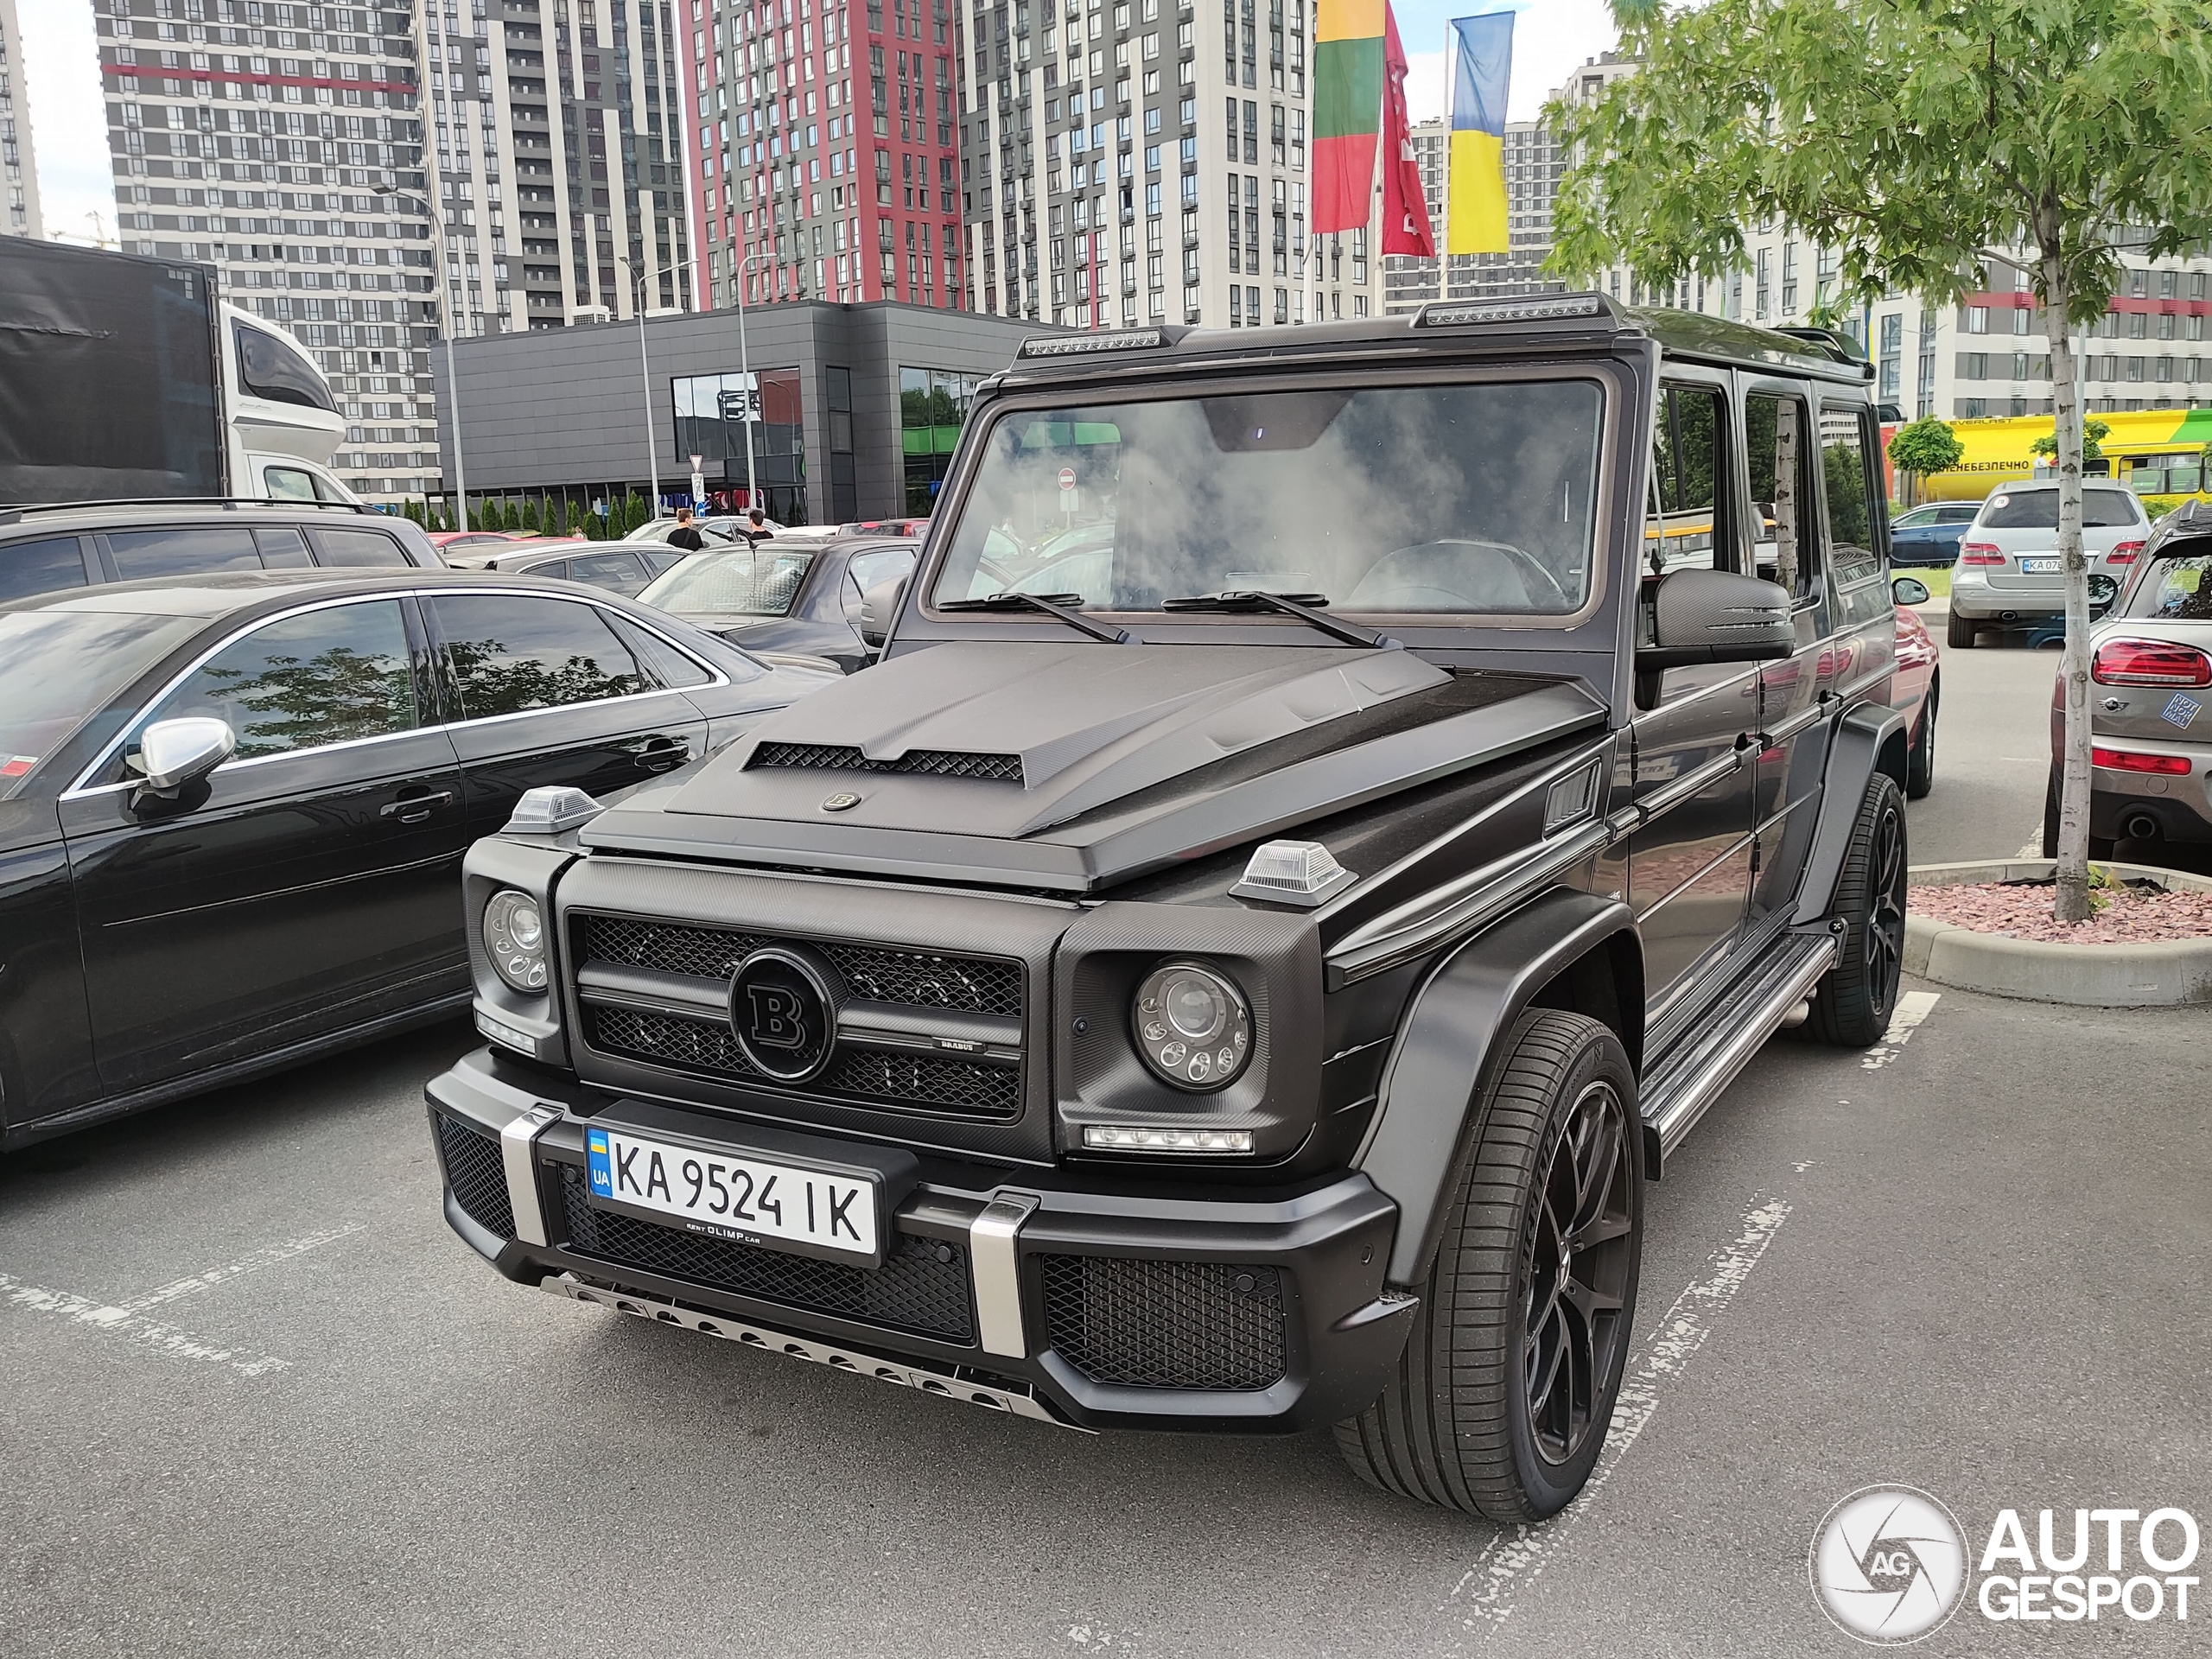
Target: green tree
pixel 1924 141
pixel 2094 434
pixel 1925 446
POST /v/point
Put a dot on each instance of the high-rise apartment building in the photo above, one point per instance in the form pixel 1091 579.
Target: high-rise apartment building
pixel 19 214
pixel 825 156
pixel 1126 161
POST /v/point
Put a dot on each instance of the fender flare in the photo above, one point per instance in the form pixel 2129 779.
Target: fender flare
pixel 1428 1111
pixel 1871 737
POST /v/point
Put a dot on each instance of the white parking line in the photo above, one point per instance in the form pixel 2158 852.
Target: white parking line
pixel 129 1318
pixel 1516 1558
pixel 1913 1008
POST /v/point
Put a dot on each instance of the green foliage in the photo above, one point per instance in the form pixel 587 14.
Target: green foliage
pixel 2094 433
pixel 1926 446
pixel 2157 506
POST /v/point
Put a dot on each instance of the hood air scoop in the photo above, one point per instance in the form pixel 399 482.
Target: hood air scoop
pixel 915 763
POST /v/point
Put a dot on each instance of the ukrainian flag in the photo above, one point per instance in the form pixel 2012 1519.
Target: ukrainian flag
pixel 1482 68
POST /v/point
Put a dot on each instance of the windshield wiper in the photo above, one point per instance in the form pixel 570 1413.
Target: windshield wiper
pixel 1305 606
pixel 1059 604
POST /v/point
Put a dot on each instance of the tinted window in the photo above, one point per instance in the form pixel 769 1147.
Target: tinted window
pixel 888 564
pixel 1847 483
pixel 1959 515
pixel 359 547
pixel 269 368
pixel 59 668
pixel 182 552
pixel 667 665
pixel 29 568
pixel 557 569
pixel 511 654
pixel 1774 442
pixel 1687 468
pixel 2038 509
pixel 322 676
pixel 288 483
pixel 619 571
pixel 282 550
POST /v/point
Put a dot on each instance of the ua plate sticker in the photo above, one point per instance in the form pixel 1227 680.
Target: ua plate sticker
pixel 602 1166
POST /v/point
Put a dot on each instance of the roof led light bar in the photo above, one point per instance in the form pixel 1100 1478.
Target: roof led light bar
pixel 1126 339
pixel 1460 316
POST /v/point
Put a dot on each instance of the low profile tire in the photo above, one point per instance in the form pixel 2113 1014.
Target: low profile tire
pixel 1920 759
pixel 1854 1001
pixel 1958 632
pixel 1508 1380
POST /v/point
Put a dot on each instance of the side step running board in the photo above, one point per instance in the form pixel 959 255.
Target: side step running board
pixel 946 1381
pixel 1691 1077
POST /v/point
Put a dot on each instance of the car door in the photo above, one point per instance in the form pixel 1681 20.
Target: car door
pixel 542 690
pixel 309 883
pixel 1690 861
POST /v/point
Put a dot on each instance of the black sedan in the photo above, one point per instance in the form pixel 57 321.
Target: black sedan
pixel 785 595
pixel 232 808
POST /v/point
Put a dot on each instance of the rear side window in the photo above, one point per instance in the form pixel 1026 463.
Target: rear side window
pixel 1682 528
pixel 511 654
pixel 269 368
pixel 328 676
pixel 1958 515
pixel 28 567
pixel 359 547
pixel 2105 509
pixel 620 572
pixel 182 552
pixel 1848 484
pixel 667 665
pixel 283 550
pixel 1776 441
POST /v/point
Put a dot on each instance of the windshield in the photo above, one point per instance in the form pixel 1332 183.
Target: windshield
pixel 736 583
pixel 1459 499
pixel 2038 509
pixel 58 668
pixel 2175 586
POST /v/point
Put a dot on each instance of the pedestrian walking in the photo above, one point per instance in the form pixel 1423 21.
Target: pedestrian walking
pixel 686 534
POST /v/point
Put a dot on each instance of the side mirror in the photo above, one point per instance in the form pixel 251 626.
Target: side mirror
pixel 879 609
pixel 1717 616
pixel 1908 590
pixel 173 753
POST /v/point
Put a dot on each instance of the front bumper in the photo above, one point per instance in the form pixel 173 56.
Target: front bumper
pixel 1127 1305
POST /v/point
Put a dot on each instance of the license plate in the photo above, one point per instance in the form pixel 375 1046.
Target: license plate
pixel 720 1194
pixel 2038 565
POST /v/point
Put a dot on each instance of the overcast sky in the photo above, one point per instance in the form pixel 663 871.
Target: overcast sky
pixel 1550 37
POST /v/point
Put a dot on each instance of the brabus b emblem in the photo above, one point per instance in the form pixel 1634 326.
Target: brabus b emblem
pixel 783 1013
pixel 843 801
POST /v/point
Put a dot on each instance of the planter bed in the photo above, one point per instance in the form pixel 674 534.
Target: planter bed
pixel 1987 927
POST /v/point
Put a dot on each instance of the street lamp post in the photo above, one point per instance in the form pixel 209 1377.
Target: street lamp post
pixel 745 370
pixel 637 282
pixel 452 378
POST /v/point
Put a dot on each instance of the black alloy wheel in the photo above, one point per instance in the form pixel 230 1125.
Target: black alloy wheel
pixel 1852 1004
pixel 1577 1267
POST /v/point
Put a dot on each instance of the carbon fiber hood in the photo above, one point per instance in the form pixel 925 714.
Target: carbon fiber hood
pixel 1069 764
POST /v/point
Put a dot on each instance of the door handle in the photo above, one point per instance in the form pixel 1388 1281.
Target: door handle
pixel 661 753
pixel 413 809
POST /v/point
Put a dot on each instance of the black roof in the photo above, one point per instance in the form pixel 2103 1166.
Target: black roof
pixel 1469 329
pixel 226 593
pixel 100 515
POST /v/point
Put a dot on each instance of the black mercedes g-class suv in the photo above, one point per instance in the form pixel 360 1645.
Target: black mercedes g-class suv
pixel 1336 804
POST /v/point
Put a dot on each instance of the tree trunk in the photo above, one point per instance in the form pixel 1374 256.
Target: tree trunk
pixel 2072 898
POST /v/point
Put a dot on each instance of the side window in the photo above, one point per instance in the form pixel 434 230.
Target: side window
pixel 620 572
pixel 888 564
pixel 1684 526
pixel 323 489
pixel 301 682
pixel 556 570
pixel 1776 444
pixel 288 483
pixel 511 654
pixel 667 665
pixel 269 368
pixel 282 550
pixel 359 547
pixel 1847 482
pixel 28 567
pixel 182 552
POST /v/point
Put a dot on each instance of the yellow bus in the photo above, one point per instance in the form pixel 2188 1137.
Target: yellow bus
pixel 2153 451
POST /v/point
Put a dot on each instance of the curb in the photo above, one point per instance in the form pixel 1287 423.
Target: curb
pixel 2149 975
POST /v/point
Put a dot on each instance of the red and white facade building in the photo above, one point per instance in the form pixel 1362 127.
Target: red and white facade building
pixel 824 154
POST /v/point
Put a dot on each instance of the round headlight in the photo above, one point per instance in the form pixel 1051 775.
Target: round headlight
pixel 1192 1027
pixel 514 938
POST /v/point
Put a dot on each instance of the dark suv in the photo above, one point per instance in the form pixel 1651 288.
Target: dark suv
pixel 1236 968
pixel 81 544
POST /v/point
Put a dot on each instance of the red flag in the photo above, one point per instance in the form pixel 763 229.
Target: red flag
pixel 1405 208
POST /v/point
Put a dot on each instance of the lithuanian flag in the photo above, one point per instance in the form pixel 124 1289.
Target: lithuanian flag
pixel 1475 218
pixel 1347 110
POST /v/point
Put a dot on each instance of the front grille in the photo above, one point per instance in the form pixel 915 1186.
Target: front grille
pixel 929 763
pixel 476 1172
pixel 964 1087
pixel 918 979
pixel 1166 1325
pixel 922 1285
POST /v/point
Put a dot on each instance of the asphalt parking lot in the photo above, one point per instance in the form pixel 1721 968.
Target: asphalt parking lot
pixel 263 1403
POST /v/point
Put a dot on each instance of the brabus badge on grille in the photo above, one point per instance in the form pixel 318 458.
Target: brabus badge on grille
pixel 844 800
